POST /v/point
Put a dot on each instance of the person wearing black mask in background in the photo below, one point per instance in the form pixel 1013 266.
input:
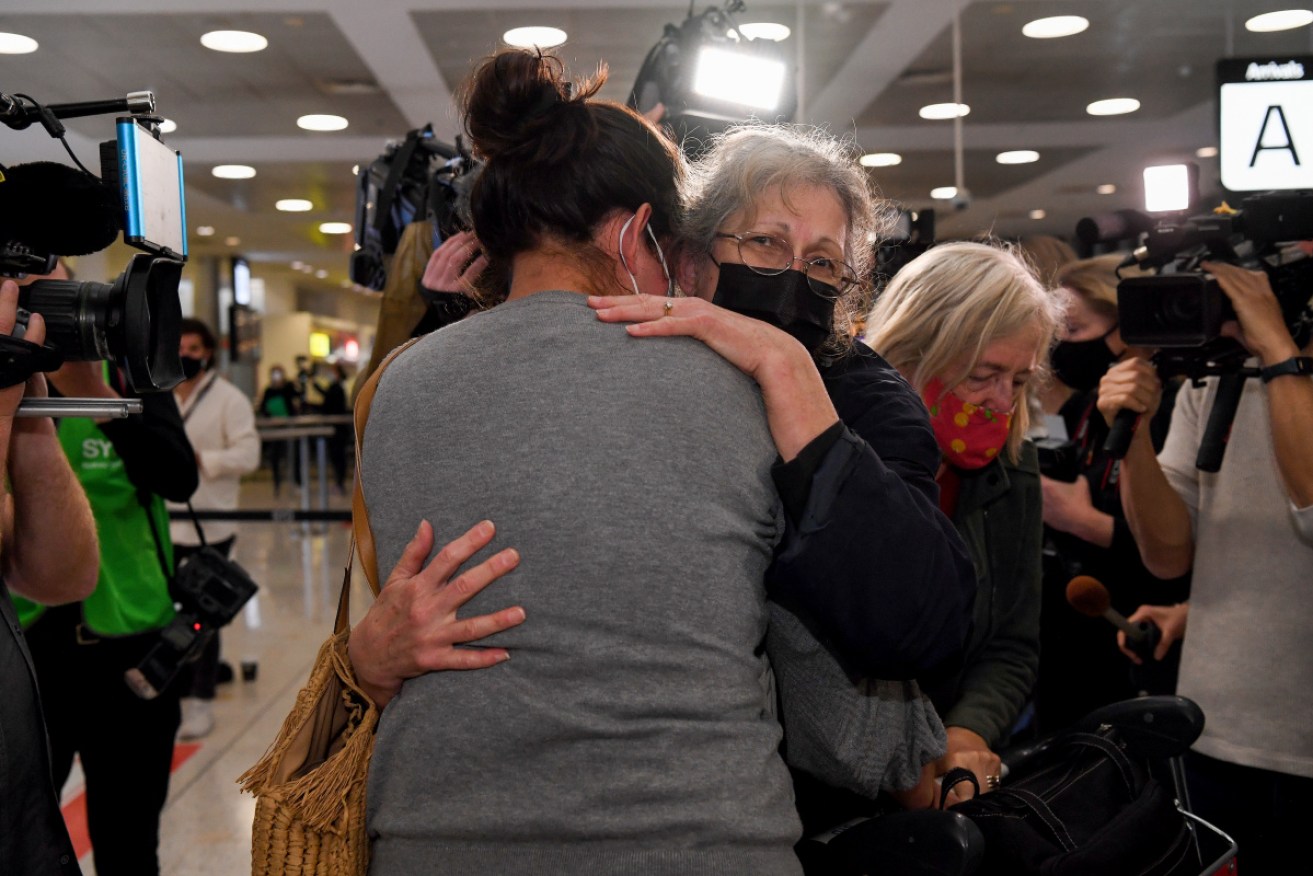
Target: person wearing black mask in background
pixel 776 249
pixel 221 428
pixel 1086 530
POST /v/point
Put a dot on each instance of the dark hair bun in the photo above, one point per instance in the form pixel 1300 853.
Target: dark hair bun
pixel 518 95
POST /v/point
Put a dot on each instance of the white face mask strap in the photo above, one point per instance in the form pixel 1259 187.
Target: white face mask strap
pixel 625 264
pixel 670 281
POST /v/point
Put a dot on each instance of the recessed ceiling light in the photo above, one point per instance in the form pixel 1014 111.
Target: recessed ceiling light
pixel 234 41
pixel 168 126
pixel 1284 19
pixel 534 37
pixel 321 273
pixel 880 159
pixel 1206 152
pixel 205 231
pixel 321 122
pixel 298 265
pixel 1037 214
pixel 293 205
pixel 1017 156
pixel 1056 26
pixel 234 171
pixel 16 44
pixel 335 227
pixel 1113 106
pixel 1106 189
pixel 355 170
pixel 232 241
pixel 944 193
pixel 944 110
pixel 765 30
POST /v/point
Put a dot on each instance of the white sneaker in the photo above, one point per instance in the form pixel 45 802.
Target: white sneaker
pixel 197 718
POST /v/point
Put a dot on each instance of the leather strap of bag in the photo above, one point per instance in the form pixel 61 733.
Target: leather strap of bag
pixel 362 537
pixel 1112 751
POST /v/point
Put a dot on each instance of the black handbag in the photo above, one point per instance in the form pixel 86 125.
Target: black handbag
pixel 1078 806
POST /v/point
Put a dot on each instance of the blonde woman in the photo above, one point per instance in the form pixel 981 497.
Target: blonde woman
pixel 970 326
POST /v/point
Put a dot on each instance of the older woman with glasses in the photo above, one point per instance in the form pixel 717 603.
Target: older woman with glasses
pixel 871 580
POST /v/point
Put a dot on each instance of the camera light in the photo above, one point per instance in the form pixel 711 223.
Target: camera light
pixel 1055 26
pixel 321 122
pixel 1283 19
pixel 233 171
pixel 944 193
pixel 1017 156
pixel 335 227
pixel 16 44
pixel 534 37
pixel 938 111
pixel 234 41
pixel 735 77
pixel 1113 106
pixel 1166 188
pixel 293 205
pixel 320 345
pixel 764 30
pixel 880 159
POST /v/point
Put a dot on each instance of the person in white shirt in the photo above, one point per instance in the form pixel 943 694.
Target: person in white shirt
pixel 220 424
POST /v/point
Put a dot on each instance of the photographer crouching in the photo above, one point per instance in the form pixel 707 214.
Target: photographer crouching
pixel 47 554
pixel 1246 531
pixel 82 650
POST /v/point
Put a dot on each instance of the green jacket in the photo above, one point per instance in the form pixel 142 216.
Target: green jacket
pixel 999 517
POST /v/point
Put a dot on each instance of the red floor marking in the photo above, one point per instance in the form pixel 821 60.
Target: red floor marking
pixel 75 810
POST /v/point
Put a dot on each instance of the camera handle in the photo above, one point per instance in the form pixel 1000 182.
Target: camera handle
pixel 114 409
pixel 1218 430
pixel 1121 433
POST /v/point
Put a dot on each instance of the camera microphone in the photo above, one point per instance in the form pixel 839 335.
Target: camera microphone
pixel 56 209
pixel 1088 596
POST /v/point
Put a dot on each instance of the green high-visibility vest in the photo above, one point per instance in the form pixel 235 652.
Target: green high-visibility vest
pixel 132 594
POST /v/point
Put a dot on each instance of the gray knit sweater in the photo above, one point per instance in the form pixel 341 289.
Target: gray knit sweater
pixel 630 730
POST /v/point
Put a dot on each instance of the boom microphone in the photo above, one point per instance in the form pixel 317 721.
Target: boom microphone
pixel 56 209
pixel 1088 596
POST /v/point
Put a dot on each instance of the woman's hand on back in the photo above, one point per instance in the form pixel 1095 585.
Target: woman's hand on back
pixel 412 627
pixel 797 405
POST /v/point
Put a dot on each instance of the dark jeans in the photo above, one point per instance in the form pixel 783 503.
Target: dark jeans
pixel 1265 812
pixel 199 677
pixel 125 742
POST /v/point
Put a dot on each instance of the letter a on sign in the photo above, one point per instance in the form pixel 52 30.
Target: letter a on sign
pixel 1266 135
pixel 1289 142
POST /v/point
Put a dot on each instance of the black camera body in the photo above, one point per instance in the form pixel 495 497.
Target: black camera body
pixel 209 590
pixel 1182 307
pixel 1059 459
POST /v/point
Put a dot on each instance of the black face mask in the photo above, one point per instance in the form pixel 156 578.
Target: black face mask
pixel 191 366
pixel 786 301
pixel 1082 364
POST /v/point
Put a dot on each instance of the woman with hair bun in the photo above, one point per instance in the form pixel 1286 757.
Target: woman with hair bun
pixel 632 730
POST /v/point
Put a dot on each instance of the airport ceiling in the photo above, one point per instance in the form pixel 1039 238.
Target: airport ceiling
pixel 865 68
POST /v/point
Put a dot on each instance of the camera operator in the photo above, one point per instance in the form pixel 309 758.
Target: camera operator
pixel 48 554
pixel 82 650
pixel 1247 533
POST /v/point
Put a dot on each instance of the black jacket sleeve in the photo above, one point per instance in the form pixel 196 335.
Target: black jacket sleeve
pixel 870 558
pixel 156 454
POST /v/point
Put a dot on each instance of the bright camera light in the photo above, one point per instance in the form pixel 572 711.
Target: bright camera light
pixel 736 77
pixel 16 44
pixel 233 171
pixel 937 111
pixel 1017 156
pixel 294 205
pixel 1056 26
pixel 534 37
pixel 880 159
pixel 1113 106
pixel 321 122
pixel 1284 19
pixel 335 227
pixel 1166 188
pixel 765 30
pixel 234 41
pixel 944 193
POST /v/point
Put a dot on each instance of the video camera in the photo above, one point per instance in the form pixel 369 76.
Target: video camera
pixel 49 209
pixel 415 179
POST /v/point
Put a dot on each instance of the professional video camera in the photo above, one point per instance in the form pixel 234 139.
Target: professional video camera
pixel 49 209
pixel 418 178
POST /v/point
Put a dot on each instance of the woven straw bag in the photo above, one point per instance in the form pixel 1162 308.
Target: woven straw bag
pixel 310 784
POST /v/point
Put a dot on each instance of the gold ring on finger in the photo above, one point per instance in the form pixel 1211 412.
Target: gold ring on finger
pixel 669 307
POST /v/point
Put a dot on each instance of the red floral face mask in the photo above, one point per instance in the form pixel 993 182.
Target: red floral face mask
pixel 969 436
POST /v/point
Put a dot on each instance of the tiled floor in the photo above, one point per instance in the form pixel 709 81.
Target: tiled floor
pixel 206 826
